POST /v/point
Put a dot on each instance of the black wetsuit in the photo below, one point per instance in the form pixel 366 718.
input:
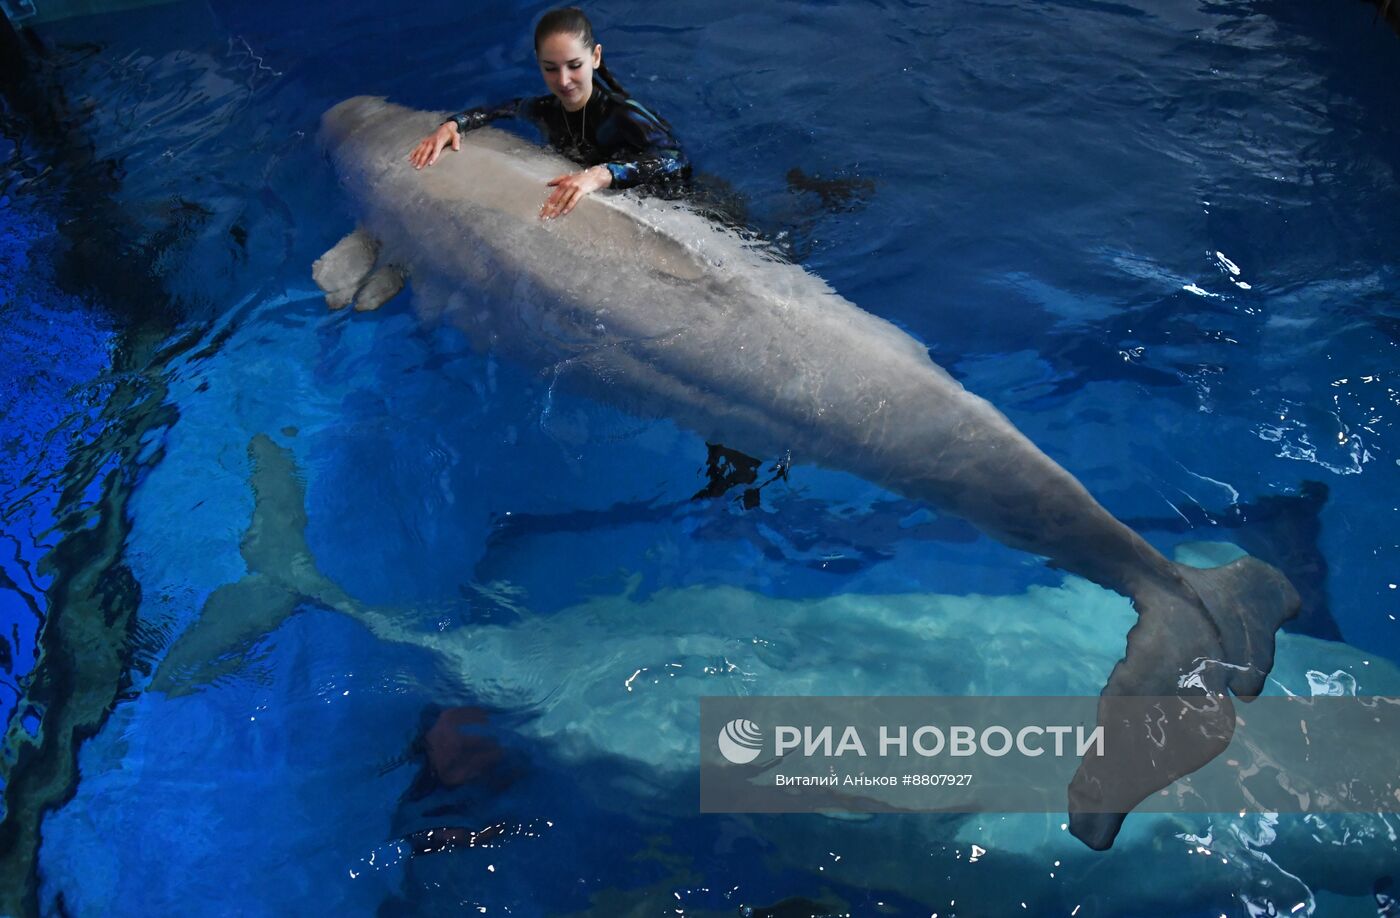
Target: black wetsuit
pixel 612 130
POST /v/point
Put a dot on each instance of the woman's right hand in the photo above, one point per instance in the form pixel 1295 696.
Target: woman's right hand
pixel 430 147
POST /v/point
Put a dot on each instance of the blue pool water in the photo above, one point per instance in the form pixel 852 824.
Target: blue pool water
pixel 1160 236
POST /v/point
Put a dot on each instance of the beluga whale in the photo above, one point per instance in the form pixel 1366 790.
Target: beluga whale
pixel 651 306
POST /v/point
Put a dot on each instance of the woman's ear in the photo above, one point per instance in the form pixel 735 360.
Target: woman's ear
pixel 597 55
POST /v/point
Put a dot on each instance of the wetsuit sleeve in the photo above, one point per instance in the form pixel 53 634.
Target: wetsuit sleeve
pixel 658 155
pixel 472 118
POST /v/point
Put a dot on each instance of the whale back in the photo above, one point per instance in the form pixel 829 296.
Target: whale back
pixel 645 303
pixel 492 190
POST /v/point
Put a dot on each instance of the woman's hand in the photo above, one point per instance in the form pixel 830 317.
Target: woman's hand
pixel 570 189
pixel 428 149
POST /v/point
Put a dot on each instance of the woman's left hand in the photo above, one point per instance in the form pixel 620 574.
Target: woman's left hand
pixel 570 189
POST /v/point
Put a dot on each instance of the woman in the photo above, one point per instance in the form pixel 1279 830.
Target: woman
pixel 594 122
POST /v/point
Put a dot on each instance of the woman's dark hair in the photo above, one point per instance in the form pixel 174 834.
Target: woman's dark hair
pixel 570 20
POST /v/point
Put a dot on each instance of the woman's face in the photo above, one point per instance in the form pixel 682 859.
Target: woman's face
pixel 567 67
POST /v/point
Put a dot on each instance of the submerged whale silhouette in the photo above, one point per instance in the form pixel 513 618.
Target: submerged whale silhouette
pixel 567 681
pixel 652 307
pixel 574 672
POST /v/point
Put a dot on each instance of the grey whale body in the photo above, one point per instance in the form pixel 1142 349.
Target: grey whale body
pixel 652 307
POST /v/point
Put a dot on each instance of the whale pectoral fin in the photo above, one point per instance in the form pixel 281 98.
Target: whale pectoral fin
pixel 1165 711
pixel 379 288
pixel 235 616
pixel 343 270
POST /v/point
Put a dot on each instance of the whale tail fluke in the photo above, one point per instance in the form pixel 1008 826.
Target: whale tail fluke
pixel 1248 601
pixel 235 617
pixel 1165 711
pixel 282 576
